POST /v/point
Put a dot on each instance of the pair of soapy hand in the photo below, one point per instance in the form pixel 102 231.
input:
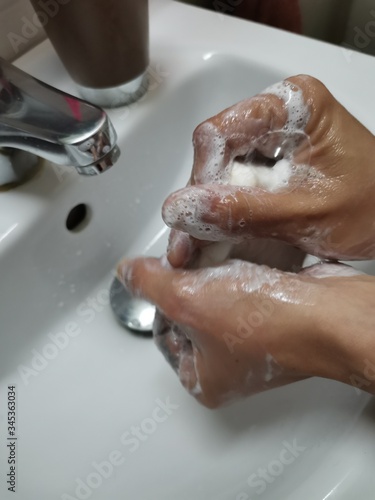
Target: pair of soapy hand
pixel 251 319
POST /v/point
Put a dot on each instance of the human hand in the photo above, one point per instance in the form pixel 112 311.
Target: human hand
pixel 323 204
pixel 239 328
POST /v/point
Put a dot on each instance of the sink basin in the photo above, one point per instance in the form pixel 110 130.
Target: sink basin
pixel 99 413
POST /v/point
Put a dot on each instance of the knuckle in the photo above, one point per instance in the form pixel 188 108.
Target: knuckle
pixel 174 302
pixel 182 303
pixel 312 87
pixel 201 132
pixel 306 81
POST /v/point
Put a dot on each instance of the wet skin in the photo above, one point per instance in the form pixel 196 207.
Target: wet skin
pixel 238 327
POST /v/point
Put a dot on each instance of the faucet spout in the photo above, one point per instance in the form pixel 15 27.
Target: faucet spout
pixel 44 121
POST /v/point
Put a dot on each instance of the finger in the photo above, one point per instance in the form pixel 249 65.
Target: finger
pixel 169 340
pixel 168 288
pixel 181 248
pixel 177 350
pixel 180 294
pixel 218 213
pixel 272 123
pixel 330 270
pixel 149 278
pixel 236 131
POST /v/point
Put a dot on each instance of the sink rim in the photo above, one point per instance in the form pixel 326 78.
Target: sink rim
pixel 206 41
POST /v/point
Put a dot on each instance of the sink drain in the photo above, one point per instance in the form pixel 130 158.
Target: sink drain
pixel 135 314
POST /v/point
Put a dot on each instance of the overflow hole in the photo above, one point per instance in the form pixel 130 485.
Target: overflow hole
pixel 77 218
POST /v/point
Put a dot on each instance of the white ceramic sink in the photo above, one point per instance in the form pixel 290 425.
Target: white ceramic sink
pixel 99 413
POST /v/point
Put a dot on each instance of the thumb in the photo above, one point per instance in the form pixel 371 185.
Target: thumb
pixel 230 213
pixel 145 277
pixel 153 279
pixel 158 282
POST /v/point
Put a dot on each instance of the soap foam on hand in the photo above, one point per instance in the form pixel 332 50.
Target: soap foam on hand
pixel 271 253
pixel 279 177
pixel 268 178
pixel 247 174
pixel 243 171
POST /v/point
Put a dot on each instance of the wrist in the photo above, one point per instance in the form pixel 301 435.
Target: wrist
pixel 362 231
pixel 346 333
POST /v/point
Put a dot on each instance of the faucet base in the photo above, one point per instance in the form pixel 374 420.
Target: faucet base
pixel 16 166
pixel 112 97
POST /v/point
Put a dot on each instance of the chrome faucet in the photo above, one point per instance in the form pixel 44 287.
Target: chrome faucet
pixel 46 122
